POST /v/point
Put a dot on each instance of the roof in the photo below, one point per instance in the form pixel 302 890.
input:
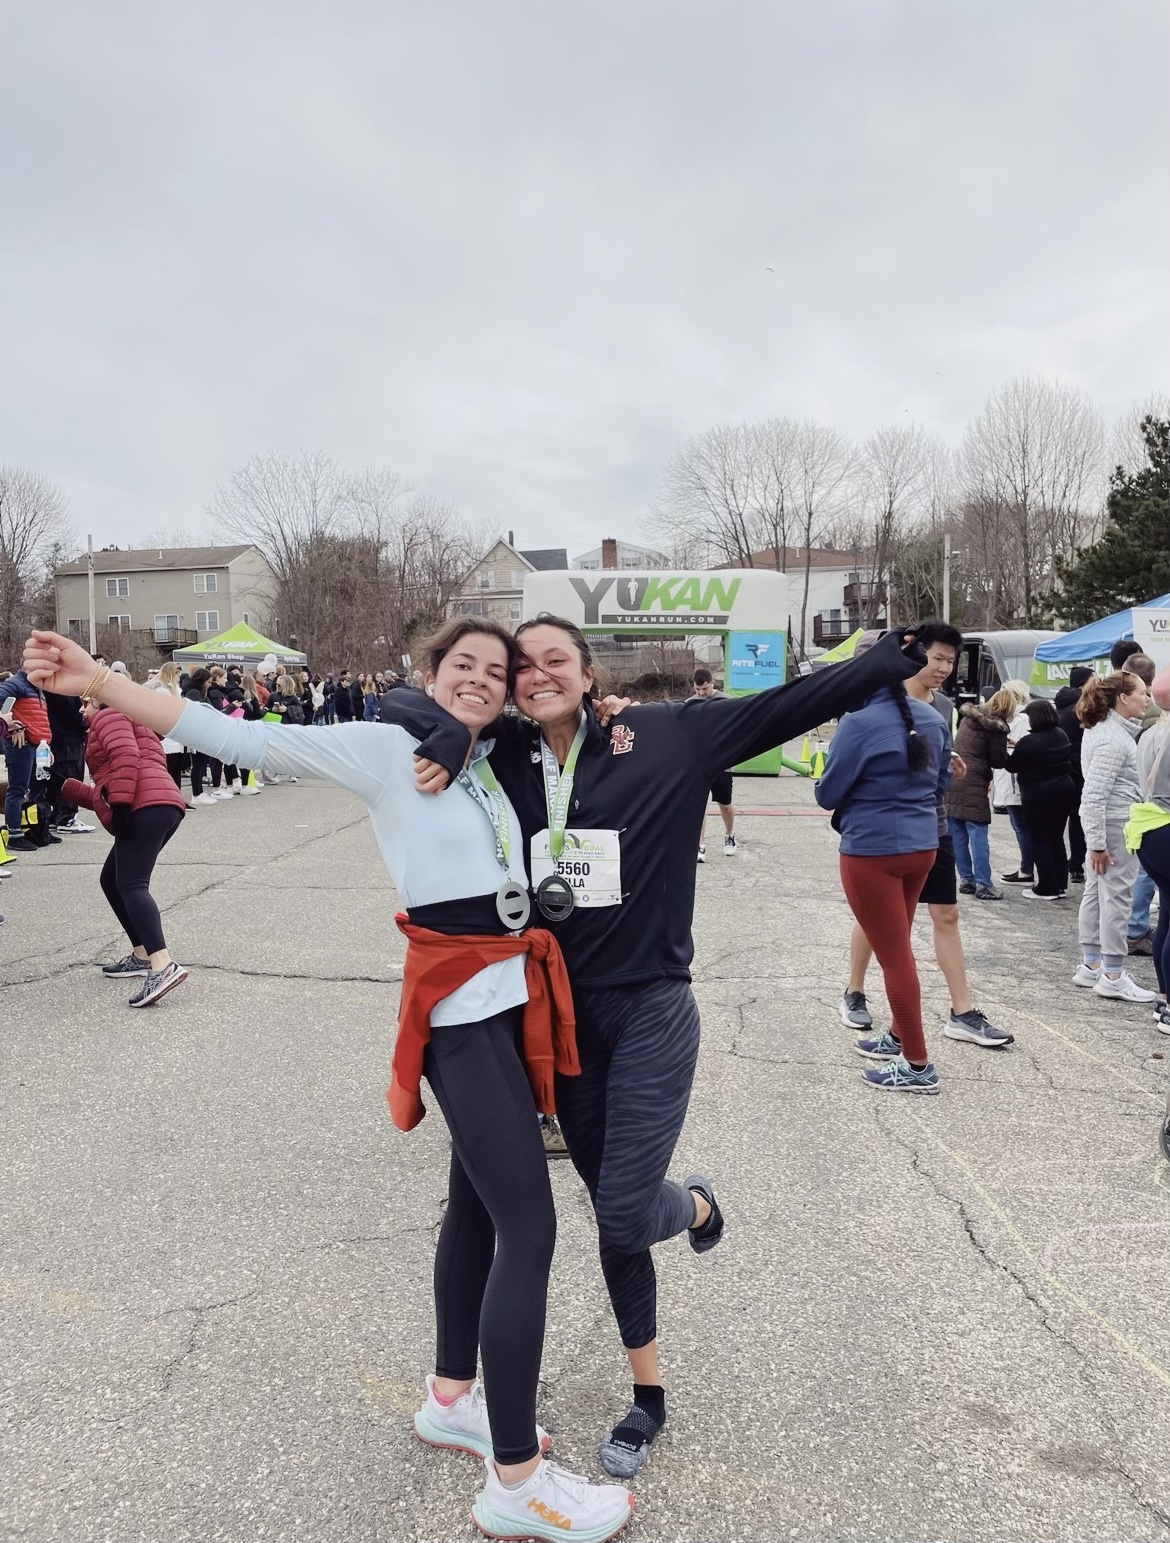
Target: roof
pixel 158 560
pixel 547 559
pixel 820 557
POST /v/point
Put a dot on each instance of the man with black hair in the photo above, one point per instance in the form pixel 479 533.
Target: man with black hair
pixel 721 788
pixel 1123 649
pixel 942 643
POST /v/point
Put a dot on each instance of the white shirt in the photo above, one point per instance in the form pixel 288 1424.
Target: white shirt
pixel 436 848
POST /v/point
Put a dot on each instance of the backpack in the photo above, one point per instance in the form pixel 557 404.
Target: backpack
pixel 34 818
pixel 294 713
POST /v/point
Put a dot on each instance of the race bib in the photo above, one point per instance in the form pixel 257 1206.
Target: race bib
pixel 591 865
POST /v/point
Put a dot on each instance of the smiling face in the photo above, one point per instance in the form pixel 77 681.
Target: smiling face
pixel 940 661
pixel 471 681
pixel 550 678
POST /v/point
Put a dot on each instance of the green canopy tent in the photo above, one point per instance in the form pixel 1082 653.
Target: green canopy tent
pixel 238 645
pixel 842 652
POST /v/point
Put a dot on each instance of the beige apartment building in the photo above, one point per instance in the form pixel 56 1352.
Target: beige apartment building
pixel 176 595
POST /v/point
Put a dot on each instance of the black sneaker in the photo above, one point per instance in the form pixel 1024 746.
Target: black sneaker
pixel 553 1137
pixel 966 887
pixel 157 984
pixel 20 843
pixel 1017 878
pixel 1077 876
pixel 855 1011
pixel 985 892
pixel 974 1029
pixel 131 965
pixel 704 1238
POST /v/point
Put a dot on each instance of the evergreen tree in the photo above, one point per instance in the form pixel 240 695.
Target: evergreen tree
pixel 1131 562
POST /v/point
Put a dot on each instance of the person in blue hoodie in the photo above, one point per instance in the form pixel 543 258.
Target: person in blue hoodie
pixel 889 766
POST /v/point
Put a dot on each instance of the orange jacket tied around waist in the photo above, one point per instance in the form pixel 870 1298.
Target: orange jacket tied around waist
pixel 438 964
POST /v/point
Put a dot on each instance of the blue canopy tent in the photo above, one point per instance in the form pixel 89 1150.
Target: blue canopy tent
pixel 1095 640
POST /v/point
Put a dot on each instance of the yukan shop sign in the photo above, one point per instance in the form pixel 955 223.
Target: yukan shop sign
pixel 746 607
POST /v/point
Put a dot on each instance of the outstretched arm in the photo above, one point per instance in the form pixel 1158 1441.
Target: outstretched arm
pixel 725 732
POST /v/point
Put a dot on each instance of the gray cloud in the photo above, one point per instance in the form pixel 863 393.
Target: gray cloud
pixel 519 251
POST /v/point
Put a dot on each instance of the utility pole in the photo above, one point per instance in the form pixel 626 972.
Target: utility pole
pixel 92 606
pixel 946 584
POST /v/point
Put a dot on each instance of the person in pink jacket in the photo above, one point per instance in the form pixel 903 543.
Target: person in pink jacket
pixel 135 797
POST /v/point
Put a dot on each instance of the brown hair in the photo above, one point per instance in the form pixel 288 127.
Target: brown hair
pixel 575 636
pixel 1099 697
pixel 437 647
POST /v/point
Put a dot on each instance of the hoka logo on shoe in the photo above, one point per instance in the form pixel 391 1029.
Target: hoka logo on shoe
pixel 547 1514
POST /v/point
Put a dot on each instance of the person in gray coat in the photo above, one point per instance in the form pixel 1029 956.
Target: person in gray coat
pixel 1111 710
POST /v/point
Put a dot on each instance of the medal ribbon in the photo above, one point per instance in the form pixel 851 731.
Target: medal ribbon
pixel 484 787
pixel 558 788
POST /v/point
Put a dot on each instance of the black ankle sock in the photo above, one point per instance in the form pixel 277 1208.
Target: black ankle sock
pixel 652 1399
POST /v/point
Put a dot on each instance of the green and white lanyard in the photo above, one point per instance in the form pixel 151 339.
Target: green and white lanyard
pixel 558 788
pixel 489 795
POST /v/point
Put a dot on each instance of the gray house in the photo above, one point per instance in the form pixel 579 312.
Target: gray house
pixel 175 595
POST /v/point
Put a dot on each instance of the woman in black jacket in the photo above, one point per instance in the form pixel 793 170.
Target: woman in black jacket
pixel 1040 764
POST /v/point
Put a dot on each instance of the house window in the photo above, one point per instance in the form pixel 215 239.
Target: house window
pixel 117 589
pixel 165 628
pixel 470 608
pixel 517 578
pixel 206 583
pixel 78 629
pixel 207 621
pixel 514 610
pixel 245 618
pixel 121 622
pixel 486 580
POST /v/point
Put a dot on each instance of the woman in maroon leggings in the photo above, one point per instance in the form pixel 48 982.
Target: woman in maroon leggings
pixel 887 771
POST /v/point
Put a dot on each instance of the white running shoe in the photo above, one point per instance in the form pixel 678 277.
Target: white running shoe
pixel 207 798
pixel 222 793
pixel 249 792
pixel 730 849
pixel 1123 987
pixel 462 1426
pixel 552 1504
pixel 1085 976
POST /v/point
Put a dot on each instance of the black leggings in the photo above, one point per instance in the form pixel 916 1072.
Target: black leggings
pixel 176 765
pixel 638 1046
pixel 1046 822
pixel 1154 856
pixel 125 877
pixel 496 1245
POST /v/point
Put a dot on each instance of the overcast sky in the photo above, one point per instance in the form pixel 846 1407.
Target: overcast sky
pixel 520 252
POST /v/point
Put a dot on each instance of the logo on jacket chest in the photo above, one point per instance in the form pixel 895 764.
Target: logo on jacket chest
pixel 621 740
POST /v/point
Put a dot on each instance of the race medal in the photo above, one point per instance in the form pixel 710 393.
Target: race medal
pixel 554 898
pixel 513 906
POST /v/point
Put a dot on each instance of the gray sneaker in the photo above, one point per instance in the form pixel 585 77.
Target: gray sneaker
pixel 974 1029
pixel 985 892
pixel 157 984
pixel 130 965
pixel 854 1011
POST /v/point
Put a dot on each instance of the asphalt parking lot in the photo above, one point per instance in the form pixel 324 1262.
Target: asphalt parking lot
pixel 930 1319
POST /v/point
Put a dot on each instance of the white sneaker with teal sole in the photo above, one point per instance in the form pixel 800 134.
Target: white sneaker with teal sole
pixel 900 1077
pixel 552 1504
pixel 461 1426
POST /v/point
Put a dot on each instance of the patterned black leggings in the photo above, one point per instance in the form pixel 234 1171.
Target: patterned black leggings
pixel 622 1118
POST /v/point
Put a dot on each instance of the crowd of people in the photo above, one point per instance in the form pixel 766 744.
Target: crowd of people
pixel 548 911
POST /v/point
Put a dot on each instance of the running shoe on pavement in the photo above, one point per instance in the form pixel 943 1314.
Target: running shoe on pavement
pixel 976 1029
pixel 879 1047
pixel 222 793
pixel 157 984
pixel 967 887
pixel 900 1077
pixel 206 798
pixel 987 892
pixel 1162 1018
pixel 854 1011
pixel 730 849
pixel 461 1426
pixel 73 827
pixel 551 1504
pixel 1086 977
pixel 702 854
pixel 1123 988
pixel 130 965
pixel 553 1136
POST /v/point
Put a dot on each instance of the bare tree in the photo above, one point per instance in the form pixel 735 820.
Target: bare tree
pixel 1127 448
pixel 893 473
pixel 706 500
pixel 823 462
pixel 33 527
pixel 164 537
pixel 773 495
pixel 1034 454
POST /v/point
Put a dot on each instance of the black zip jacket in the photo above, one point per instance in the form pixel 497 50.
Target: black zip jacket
pixel 1040 764
pixel 649 780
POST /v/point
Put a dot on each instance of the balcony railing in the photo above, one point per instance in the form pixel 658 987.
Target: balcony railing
pixel 859 594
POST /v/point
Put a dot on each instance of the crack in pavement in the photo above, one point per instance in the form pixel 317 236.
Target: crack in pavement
pixel 200 1313
pixel 1117 1461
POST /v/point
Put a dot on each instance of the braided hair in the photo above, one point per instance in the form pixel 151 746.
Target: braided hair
pixel 917 748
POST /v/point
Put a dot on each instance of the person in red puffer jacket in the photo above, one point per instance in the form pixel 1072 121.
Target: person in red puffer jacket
pixel 135 797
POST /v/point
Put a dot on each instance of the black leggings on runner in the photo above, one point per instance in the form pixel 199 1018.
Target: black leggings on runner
pixel 496 1244
pixel 638 1047
pixel 125 877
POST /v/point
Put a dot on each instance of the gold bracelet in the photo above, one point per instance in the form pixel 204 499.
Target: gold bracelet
pixel 100 676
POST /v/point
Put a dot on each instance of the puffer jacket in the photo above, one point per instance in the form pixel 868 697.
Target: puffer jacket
pixel 1005 790
pixel 1112 783
pixel 127 763
pixel 982 743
